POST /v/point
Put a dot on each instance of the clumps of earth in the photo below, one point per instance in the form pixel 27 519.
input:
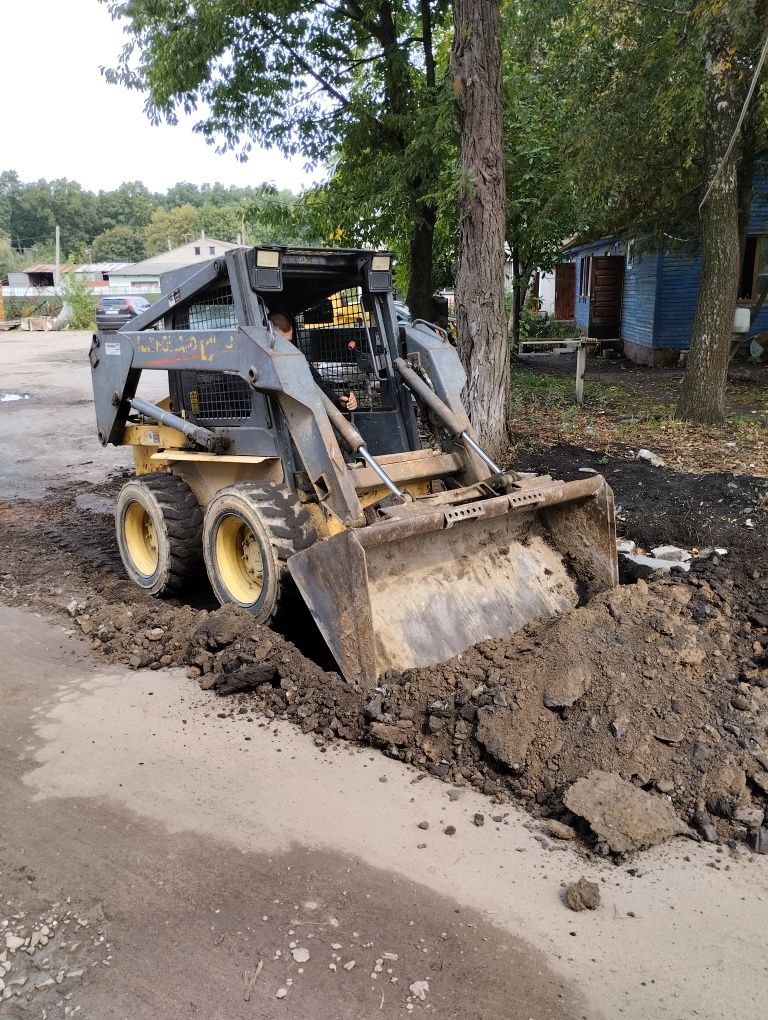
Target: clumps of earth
pixel 630 720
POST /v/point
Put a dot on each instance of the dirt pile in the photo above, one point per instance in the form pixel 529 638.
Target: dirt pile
pixel 663 686
pixel 643 684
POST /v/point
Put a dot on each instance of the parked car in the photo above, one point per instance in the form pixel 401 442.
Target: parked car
pixel 112 313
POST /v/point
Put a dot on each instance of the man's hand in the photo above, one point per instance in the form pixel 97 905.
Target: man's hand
pixel 349 402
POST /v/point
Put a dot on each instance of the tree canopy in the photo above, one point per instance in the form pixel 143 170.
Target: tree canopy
pixel 355 84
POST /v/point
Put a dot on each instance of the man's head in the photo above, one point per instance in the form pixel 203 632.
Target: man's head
pixel 282 324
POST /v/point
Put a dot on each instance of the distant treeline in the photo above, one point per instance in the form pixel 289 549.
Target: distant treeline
pixel 129 223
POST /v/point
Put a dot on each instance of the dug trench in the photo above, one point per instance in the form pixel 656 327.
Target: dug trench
pixel 639 716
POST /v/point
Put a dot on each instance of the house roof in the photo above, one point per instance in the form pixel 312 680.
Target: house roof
pixel 102 267
pixel 45 267
pixel 177 258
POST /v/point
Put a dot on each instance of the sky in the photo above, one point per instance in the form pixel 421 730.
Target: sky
pixel 64 120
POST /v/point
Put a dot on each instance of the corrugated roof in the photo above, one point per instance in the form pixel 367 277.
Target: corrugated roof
pixel 102 267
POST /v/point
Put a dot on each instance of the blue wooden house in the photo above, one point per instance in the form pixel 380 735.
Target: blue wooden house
pixel 646 296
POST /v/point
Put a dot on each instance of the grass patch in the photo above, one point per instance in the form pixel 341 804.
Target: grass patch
pixel 619 420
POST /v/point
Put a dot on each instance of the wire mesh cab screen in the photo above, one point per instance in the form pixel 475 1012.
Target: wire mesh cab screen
pixel 340 338
pixel 213 398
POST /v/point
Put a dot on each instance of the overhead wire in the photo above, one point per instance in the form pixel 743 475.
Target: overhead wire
pixel 742 115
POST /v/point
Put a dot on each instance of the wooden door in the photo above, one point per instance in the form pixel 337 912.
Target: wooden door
pixel 565 288
pixel 605 298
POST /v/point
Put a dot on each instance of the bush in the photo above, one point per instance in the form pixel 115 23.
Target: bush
pixel 76 294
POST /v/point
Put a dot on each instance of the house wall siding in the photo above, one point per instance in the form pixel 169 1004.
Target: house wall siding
pixel 638 311
pixel 581 306
pixel 758 209
pixel 677 297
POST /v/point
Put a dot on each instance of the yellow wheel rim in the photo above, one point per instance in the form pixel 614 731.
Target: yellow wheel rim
pixel 141 539
pixel 239 560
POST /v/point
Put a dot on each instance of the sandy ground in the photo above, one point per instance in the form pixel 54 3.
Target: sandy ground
pixel 197 852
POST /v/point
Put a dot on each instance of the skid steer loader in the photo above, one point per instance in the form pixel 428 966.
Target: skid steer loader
pixel 407 543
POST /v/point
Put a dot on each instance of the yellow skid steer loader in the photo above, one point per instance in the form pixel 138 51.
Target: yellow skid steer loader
pixel 407 543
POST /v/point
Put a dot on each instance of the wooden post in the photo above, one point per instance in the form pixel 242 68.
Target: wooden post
pixel 581 365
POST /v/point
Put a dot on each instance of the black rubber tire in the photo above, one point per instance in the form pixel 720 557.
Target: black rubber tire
pixel 177 519
pixel 279 526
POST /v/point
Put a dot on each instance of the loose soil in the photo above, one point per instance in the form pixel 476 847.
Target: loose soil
pixel 661 684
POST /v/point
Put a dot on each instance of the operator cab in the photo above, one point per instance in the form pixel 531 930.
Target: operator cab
pixel 345 324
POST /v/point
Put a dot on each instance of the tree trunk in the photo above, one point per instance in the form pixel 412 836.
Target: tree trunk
pixel 702 397
pixel 419 299
pixel 482 336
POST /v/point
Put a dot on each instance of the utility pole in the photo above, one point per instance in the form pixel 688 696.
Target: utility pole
pixel 57 267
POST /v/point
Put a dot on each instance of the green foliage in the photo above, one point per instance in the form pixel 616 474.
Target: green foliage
pixel 542 207
pixel 76 294
pixel 280 217
pixel 118 244
pixel 10 261
pixel 358 85
pixel 627 85
pixel 540 327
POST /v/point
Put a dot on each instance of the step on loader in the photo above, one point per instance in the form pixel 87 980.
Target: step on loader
pixel 407 543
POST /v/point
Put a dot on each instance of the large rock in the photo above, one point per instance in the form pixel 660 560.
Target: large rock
pixel 566 689
pixel 506 735
pixel 625 818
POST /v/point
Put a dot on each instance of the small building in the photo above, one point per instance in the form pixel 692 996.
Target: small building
pixel 99 274
pixel 36 277
pixel 645 295
pixel 146 275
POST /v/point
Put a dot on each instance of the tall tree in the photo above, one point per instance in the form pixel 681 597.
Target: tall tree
pixel 300 75
pixel 118 244
pixel 482 335
pixel 731 38
pixel 541 207
pixel 650 97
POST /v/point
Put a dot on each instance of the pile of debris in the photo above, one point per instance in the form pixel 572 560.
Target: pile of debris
pixel 631 719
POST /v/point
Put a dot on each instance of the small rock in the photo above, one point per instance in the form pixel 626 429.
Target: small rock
pixel 450 830
pixel 349 965
pixel 652 458
pixel 478 819
pixel 384 733
pixel 761 841
pixel 583 895
pixel 281 993
pixel 625 545
pixel 419 990
pixel 559 829
pixel 751 816
pixel 668 733
pixel 618 726
pixel 300 954
pixel 704 824
pixel 423 825
pixel 665 785
pixel 671 552
pixel 13 942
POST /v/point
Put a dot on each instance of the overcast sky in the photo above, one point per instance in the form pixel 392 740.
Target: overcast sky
pixel 63 120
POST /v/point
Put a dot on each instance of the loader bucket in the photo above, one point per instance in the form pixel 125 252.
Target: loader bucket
pixel 420 588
